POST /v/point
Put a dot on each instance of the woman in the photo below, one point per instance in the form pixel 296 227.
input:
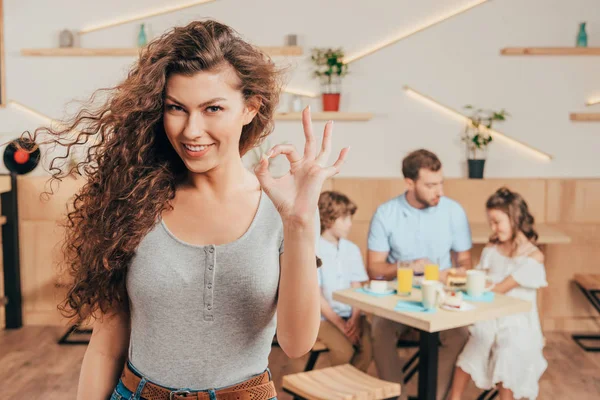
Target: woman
pixel 507 352
pixel 176 249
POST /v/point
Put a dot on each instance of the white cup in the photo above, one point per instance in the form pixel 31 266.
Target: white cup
pixel 378 286
pixel 433 295
pixel 475 282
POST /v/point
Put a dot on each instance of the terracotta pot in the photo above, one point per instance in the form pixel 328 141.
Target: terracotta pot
pixel 331 101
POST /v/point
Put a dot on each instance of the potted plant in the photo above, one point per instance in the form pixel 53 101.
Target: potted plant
pixel 477 137
pixel 330 69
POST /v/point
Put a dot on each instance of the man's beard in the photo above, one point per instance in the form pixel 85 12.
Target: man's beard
pixel 422 201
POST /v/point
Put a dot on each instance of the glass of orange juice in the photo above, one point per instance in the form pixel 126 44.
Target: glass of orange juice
pixel 432 272
pixel 405 281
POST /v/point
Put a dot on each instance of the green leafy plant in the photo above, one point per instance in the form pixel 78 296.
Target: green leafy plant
pixel 477 129
pixel 329 64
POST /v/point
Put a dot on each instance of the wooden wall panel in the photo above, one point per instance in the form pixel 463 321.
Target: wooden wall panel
pixel 473 194
pixel 574 201
pixel 41 236
pixel 571 204
pixel 368 193
pixel 40 268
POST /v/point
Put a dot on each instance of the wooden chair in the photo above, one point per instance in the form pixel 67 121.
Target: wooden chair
pixel 590 286
pixel 343 382
pixel 315 352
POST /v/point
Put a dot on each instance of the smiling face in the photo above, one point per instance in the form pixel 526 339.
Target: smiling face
pixel 203 117
pixel 500 224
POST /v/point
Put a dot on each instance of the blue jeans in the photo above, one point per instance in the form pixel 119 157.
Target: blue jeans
pixel 122 393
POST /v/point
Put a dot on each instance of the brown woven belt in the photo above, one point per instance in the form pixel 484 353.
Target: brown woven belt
pixel 257 388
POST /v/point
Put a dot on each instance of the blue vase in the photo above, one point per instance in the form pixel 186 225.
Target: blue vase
pixel 582 38
pixel 142 40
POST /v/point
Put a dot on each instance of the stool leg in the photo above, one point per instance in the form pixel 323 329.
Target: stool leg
pixel 74 329
pixel 312 360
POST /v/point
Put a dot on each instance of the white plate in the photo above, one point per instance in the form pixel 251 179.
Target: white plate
pixel 463 307
pixel 368 290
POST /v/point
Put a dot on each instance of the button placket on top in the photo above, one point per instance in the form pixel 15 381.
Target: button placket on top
pixel 209 282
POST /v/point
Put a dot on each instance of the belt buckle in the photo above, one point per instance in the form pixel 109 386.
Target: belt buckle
pixel 179 392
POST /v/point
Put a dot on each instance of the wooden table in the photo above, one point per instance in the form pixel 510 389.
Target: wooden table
pixel 430 324
pixel 548 234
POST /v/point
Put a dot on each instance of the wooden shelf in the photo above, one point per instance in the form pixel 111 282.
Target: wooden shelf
pixel 551 51
pixel 325 116
pixel 133 51
pixel 585 117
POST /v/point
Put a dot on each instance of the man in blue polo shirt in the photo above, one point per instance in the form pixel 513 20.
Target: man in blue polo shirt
pixel 415 228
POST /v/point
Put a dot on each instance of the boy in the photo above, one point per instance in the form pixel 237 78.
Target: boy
pixel 343 329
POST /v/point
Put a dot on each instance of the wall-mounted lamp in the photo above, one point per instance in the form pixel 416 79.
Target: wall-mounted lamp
pixel 463 118
pixel 300 92
pixel 412 31
pixel 31 111
pixel 150 14
pixel 593 101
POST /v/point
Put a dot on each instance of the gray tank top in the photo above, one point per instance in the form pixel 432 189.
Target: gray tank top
pixel 203 317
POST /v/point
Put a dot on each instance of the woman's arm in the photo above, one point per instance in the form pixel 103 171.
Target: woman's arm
pixel 298 306
pixel 105 357
pixel 295 195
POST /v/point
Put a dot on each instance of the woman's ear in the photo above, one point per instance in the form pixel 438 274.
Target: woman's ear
pixel 252 107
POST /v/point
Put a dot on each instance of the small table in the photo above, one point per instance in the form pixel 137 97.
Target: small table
pixel 430 324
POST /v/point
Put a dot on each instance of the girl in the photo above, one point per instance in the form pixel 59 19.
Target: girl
pixel 507 351
pixel 176 249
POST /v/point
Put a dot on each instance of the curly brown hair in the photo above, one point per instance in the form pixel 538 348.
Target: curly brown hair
pixel 515 206
pixel 333 205
pixel 132 170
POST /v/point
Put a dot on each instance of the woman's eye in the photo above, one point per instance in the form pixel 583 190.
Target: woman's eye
pixel 213 109
pixel 174 107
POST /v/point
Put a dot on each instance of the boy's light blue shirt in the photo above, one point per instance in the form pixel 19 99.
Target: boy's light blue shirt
pixel 409 233
pixel 342 265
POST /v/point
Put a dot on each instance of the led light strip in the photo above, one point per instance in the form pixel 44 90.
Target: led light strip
pixel 54 124
pixel 31 111
pixel 593 101
pixel 402 36
pixel 462 117
pixel 299 92
pixel 364 53
pixel 142 16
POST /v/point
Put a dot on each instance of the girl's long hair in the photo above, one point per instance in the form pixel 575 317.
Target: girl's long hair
pixel 515 206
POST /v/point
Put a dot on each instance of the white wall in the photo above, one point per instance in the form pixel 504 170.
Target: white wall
pixel 456 62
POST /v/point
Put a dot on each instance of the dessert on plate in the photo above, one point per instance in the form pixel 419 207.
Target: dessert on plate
pixel 454 300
